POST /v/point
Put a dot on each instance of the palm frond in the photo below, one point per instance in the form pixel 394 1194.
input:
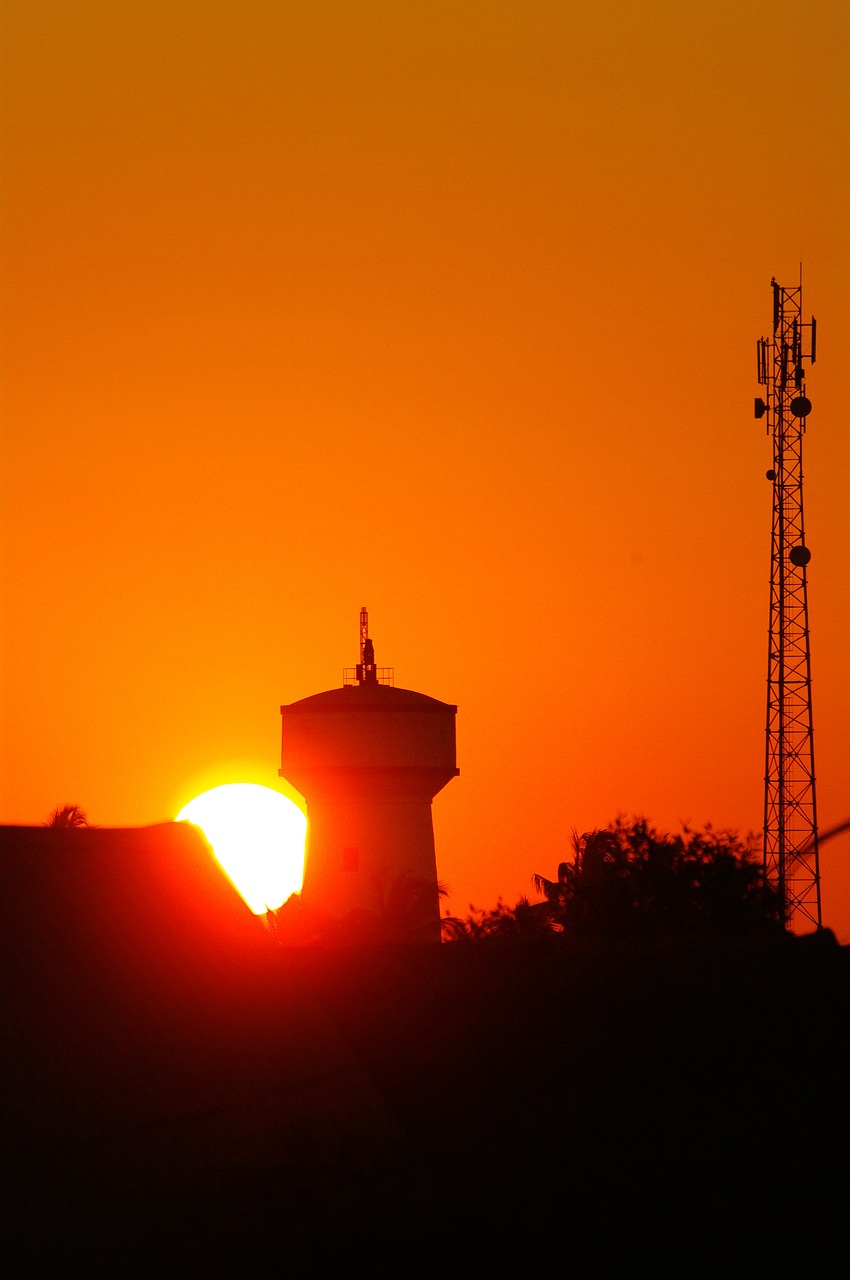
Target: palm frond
pixel 67 815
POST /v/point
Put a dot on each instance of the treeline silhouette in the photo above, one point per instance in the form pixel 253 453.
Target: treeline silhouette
pixel 630 881
pixel 626 881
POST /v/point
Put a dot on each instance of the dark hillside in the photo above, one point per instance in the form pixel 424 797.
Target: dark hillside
pixel 181 1100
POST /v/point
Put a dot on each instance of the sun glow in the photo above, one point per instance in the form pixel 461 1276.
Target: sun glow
pixel 257 835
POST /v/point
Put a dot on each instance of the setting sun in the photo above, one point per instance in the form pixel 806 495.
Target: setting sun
pixel 257 835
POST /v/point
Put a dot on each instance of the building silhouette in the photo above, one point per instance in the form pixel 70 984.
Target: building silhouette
pixel 369 759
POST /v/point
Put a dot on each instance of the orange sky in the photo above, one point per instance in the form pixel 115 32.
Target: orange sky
pixel 448 309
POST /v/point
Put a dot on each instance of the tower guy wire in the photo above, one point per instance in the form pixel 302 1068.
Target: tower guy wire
pixel 791 855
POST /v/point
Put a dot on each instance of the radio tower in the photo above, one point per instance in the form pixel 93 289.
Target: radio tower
pixel 790 813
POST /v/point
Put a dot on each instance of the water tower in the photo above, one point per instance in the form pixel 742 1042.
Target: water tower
pixel 369 759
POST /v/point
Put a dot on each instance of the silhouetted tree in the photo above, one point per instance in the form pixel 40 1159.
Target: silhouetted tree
pixel 526 922
pixel 405 907
pixel 629 880
pixel 404 911
pixel 68 815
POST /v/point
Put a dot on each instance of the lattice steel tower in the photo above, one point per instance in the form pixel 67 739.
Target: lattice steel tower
pixel 790 814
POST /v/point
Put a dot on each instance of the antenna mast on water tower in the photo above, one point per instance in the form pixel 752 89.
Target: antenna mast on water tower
pixel 791 861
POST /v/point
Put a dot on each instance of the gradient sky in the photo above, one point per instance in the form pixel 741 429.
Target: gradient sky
pixel 447 308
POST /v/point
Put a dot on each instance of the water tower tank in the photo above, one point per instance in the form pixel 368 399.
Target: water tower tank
pixel 369 759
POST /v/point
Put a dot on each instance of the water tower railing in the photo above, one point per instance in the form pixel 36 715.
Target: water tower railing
pixel 386 675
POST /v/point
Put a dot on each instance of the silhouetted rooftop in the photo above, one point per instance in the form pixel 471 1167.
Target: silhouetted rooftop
pixel 369 697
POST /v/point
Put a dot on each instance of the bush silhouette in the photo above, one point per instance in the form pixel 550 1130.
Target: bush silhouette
pixel 630 880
